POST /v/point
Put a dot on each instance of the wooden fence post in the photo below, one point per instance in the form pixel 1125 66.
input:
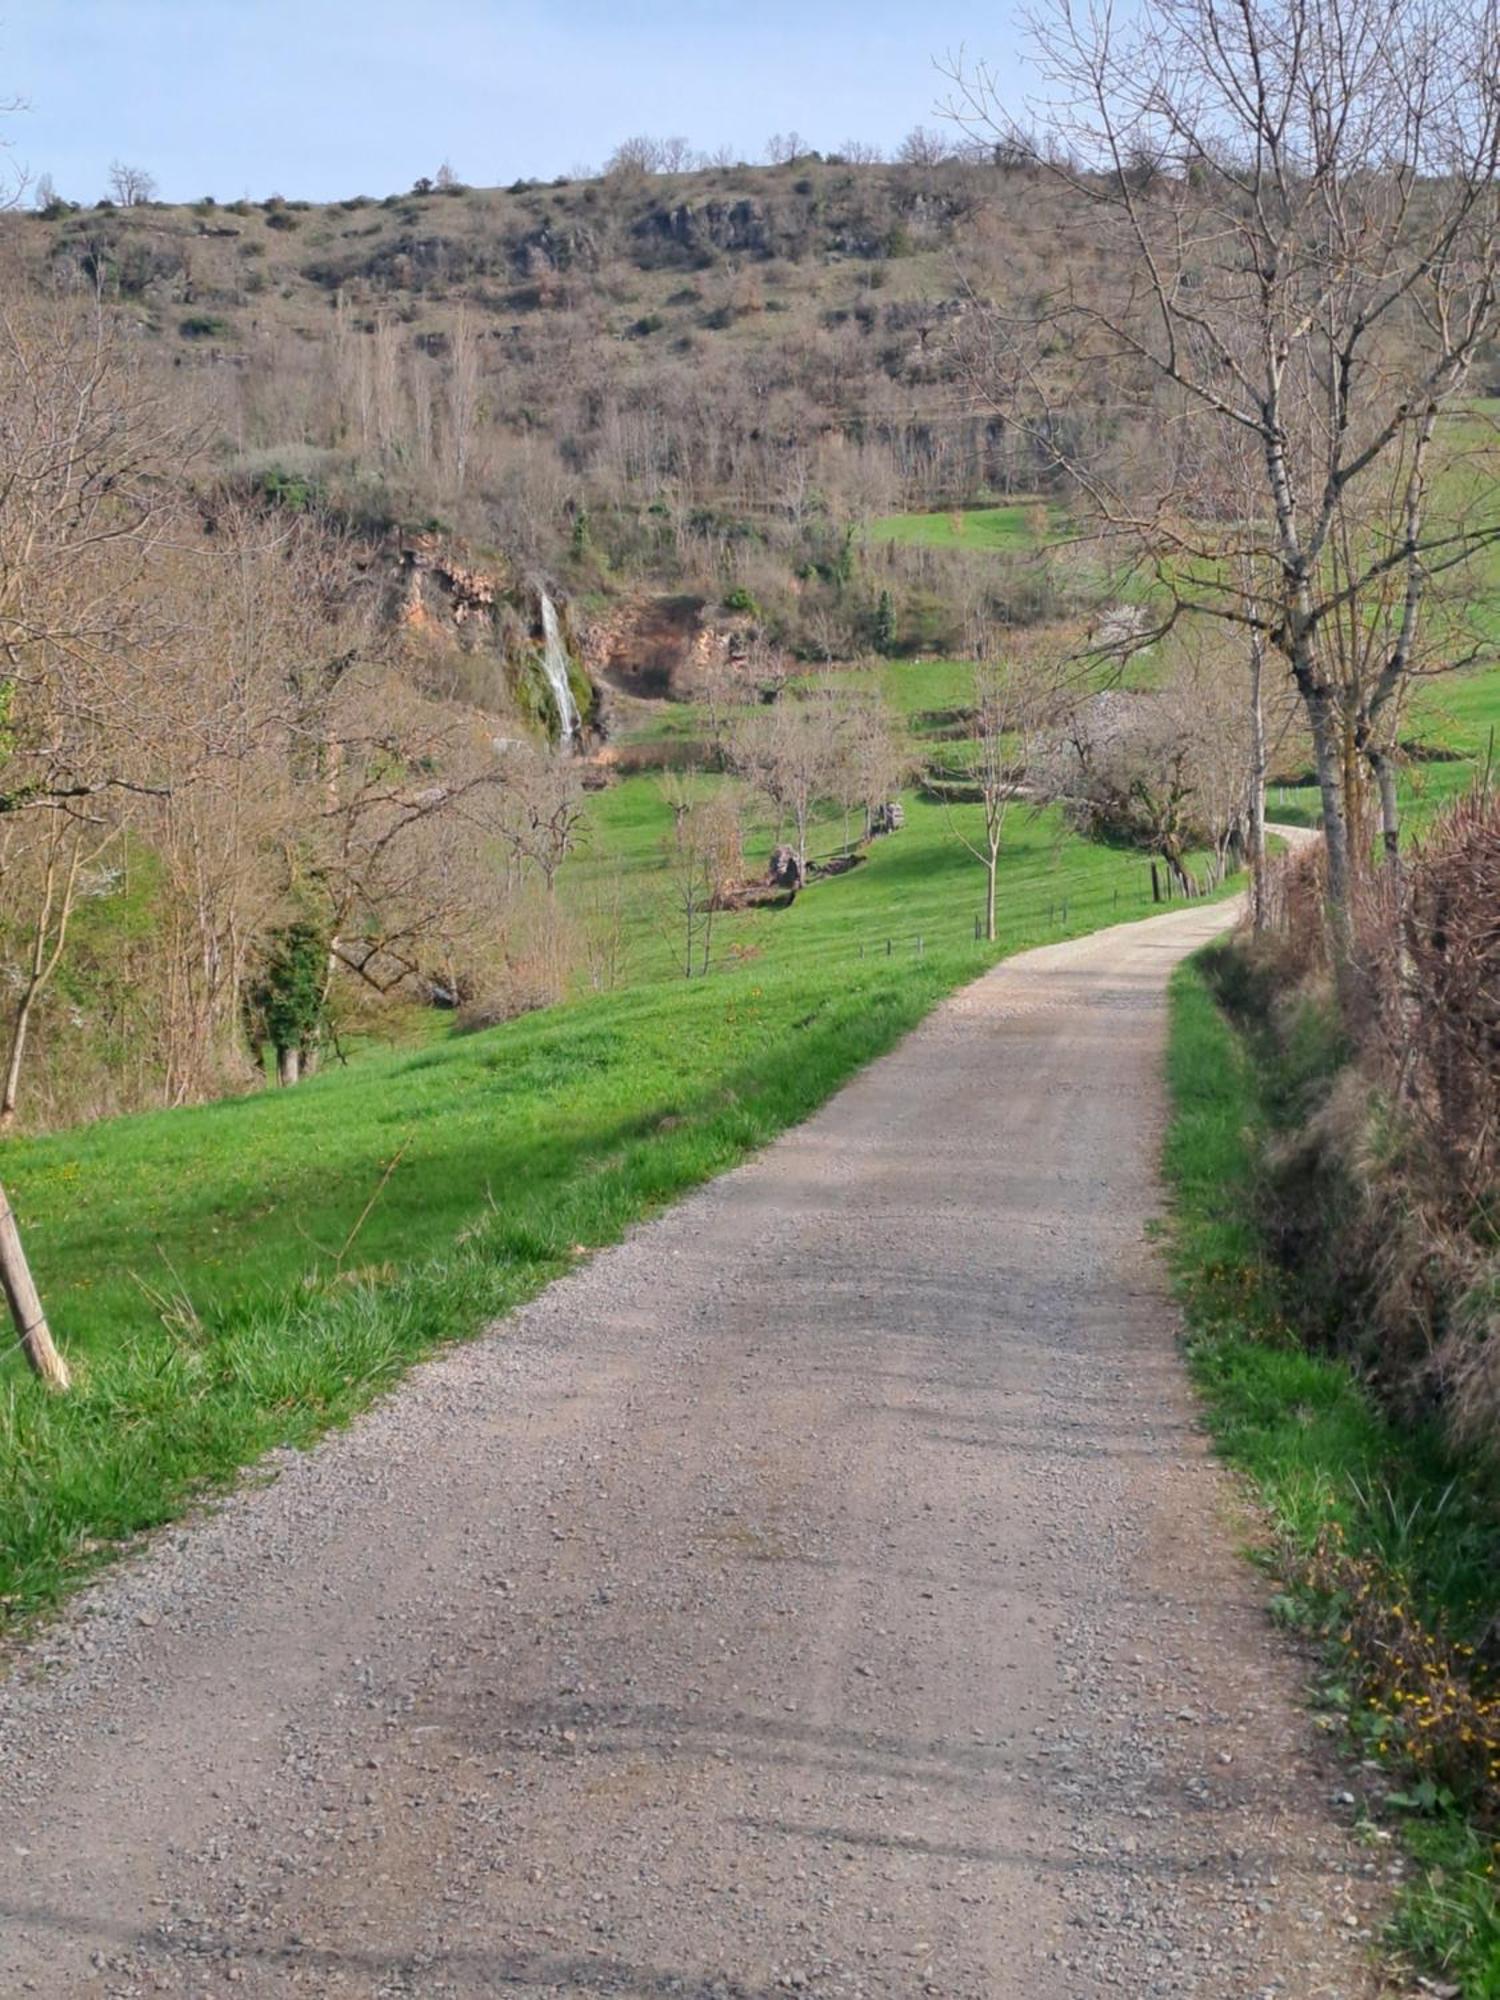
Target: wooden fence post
pixel 25 1306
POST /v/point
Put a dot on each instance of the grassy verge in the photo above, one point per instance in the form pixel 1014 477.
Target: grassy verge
pixel 1381 1545
pixel 245 1274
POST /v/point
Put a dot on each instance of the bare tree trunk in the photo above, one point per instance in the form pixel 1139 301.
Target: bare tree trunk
pixel 1257 840
pixel 989 894
pixel 1329 764
pixel 26 1307
pixel 1390 812
pixel 46 954
pixel 17 1051
pixel 288 1066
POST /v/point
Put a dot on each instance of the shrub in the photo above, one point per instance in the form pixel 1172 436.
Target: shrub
pixel 297 492
pixel 1383 1192
pixel 285 1001
pixel 203 326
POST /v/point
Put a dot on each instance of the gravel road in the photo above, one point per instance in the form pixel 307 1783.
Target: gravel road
pixel 826 1591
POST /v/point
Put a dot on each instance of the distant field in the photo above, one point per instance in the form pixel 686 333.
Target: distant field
pixel 1018 525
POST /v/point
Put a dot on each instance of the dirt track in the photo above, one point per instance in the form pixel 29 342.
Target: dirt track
pixel 826 1591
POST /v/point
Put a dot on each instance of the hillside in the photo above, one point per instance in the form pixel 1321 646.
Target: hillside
pixel 690 376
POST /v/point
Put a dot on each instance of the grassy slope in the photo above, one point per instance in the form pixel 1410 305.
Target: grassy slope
pixel 976 530
pixel 252 287
pixel 1317 1450
pixel 190 1257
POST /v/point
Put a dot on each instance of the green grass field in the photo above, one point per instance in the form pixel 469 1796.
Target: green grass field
pixel 1019 525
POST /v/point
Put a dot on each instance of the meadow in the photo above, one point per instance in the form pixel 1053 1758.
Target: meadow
pixel 1017 525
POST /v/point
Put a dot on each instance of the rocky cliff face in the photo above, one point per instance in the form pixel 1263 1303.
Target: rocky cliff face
pixel 438 597
pixel 742 226
pixel 661 647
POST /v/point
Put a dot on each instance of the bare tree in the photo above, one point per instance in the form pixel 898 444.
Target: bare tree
pixel 542 812
pixel 1299 201
pixel 85 446
pixel 705 857
pixel 1004 718
pixel 463 395
pixel 66 848
pixel 872 762
pixel 1168 768
pixel 132 187
pixel 639 155
pixel 675 155
pixel 924 147
pixel 790 753
pixel 784 149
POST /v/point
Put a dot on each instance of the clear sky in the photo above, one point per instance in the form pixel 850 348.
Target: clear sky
pixel 324 98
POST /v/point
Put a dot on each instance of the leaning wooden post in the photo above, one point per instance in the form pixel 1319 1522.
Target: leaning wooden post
pixel 25 1306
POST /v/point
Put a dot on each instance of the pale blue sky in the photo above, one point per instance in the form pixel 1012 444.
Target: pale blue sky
pixel 322 98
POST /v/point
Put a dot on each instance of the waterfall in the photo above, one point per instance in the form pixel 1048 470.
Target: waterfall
pixel 555 666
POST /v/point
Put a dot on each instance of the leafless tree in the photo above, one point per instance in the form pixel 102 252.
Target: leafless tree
pixel 132 187
pixel 85 445
pixel 542 814
pixel 790 754
pixel 924 147
pixel 46 862
pixel 463 394
pixel 675 155
pixel 639 155
pixel 1007 712
pixel 1167 768
pixel 872 761
pixel 705 858
pixel 784 149
pixel 1299 202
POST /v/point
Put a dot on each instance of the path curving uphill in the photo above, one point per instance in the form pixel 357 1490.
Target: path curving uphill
pixel 825 1591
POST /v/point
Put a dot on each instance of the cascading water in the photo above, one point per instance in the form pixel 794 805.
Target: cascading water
pixel 555 666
